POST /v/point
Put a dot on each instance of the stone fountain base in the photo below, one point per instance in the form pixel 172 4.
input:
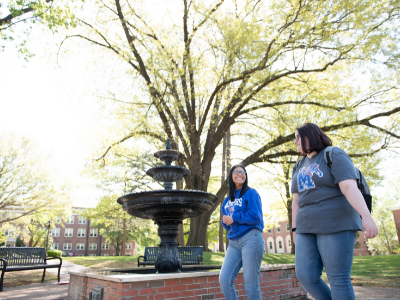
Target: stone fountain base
pixel 276 281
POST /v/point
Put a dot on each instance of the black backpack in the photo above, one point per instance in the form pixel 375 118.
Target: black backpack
pixel 361 182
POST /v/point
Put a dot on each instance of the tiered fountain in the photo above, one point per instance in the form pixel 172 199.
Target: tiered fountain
pixel 168 207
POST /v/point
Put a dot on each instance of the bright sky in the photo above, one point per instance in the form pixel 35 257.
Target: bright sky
pixel 53 104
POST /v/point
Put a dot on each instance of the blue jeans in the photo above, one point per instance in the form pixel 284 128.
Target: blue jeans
pixel 334 251
pixel 248 252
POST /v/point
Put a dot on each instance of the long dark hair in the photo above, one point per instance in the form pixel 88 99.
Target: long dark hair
pixel 317 138
pixel 245 187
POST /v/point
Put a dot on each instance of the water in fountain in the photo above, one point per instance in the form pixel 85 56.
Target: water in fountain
pixel 168 207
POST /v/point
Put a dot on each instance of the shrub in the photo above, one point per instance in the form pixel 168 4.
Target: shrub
pixel 54 253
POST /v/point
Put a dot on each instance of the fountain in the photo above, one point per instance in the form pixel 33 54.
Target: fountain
pixel 168 207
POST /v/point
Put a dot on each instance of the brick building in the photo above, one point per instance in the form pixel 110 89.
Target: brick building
pixel 277 240
pixel 396 216
pixel 76 236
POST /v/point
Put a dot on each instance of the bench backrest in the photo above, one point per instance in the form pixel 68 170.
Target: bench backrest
pixel 23 256
pixel 186 253
pixel 190 253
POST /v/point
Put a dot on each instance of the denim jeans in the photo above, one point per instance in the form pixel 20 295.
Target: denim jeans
pixel 334 251
pixel 246 252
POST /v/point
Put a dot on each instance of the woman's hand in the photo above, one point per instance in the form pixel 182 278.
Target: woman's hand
pixel 294 237
pixel 369 226
pixel 228 220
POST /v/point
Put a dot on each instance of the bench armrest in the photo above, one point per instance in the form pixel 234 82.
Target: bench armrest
pixel 4 263
pixel 55 258
pixel 144 258
pixel 201 259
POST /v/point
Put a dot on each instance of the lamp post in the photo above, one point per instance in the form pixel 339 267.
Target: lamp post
pixel 48 231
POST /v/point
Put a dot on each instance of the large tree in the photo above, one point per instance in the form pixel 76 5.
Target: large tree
pixel 203 67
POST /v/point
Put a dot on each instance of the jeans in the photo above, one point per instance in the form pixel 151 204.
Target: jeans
pixel 334 251
pixel 246 252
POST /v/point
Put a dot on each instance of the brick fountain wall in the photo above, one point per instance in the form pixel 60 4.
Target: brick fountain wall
pixel 276 281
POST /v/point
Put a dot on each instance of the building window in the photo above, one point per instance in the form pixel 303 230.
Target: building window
pixel 11 215
pixel 80 246
pixel 105 246
pixel 70 220
pixel 54 246
pixel 81 220
pixel 105 254
pixel 278 229
pixel 128 246
pixel 92 246
pixel 93 232
pixel 269 230
pixel 365 241
pixel 290 243
pixel 69 232
pixel 9 232
pixel 92 254
pixel 280 244
pixel 67 246
pixel 58 220
pixel 81 232
pixel 270 245
pixel 287 227
pixel 55 232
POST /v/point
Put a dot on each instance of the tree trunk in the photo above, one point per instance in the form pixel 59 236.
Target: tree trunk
pixel 123 235
pixel 228 166
pixel 223 175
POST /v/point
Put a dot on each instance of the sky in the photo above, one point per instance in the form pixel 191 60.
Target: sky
pixel 54 103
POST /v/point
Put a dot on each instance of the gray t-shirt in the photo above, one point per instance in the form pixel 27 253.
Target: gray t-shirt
pixel 322 206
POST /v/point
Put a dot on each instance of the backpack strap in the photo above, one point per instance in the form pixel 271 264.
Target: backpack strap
pixel 328 155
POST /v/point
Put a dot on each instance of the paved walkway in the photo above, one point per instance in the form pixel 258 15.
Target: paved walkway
pixel 51 291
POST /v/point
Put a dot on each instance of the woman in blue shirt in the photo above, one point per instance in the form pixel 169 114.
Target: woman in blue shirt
pixel 243 219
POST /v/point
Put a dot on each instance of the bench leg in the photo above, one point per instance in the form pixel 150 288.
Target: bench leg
pixel 44 273
pixel 1 280
pixel 59 268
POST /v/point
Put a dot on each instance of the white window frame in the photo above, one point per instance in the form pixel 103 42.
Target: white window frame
pixel 92 246
pixel 280 245
pixel 81 232
pixel 92 255
pixel 67 248
pixel 55 232
pixel 287 227
pixel 69 220
pixel 269 230
pixel 105 246
pixel 94 232
pixel 70 232
pixel 128 246
pixel 105 254
pixel 271 246
pixel 55 246
pixel 81 220
pixel 58 220
pixel 80 246
pixel 278 229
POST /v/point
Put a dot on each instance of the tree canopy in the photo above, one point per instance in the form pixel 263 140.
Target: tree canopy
pixel 203 67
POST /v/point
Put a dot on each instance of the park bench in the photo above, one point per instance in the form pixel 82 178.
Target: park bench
pixel 189 255
pixel 22 259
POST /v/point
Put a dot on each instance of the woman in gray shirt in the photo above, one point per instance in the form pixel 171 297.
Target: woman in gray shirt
pixel 326 210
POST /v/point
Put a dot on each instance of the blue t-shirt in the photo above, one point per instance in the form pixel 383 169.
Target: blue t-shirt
pixel 322 206
pixel 246 213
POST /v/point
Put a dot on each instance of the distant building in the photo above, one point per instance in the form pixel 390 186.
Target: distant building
pixel 396 216
pixel 278 240
pixel 77 237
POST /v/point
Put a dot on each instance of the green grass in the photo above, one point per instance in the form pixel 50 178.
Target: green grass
pixel 377 271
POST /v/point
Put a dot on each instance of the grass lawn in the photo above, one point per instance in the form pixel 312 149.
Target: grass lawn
pixel 377 271
pixel 26 277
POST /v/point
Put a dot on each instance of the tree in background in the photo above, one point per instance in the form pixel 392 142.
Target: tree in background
pixel 386 240
pixel 108 216
pixel 27 185
pixel 209 66
pixel 18 17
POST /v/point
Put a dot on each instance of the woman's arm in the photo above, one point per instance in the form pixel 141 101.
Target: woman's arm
pixel 295 206
pixel 350 190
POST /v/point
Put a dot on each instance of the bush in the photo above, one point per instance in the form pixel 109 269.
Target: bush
pixel 54 253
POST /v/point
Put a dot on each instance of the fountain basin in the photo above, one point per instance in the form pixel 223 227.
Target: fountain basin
pixel 276 282
pixel 177 204
pixel 168 173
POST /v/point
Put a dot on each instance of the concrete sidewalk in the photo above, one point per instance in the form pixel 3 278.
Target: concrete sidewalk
pixel 65 269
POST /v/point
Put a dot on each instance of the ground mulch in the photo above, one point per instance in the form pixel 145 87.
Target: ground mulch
pixel 26 277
